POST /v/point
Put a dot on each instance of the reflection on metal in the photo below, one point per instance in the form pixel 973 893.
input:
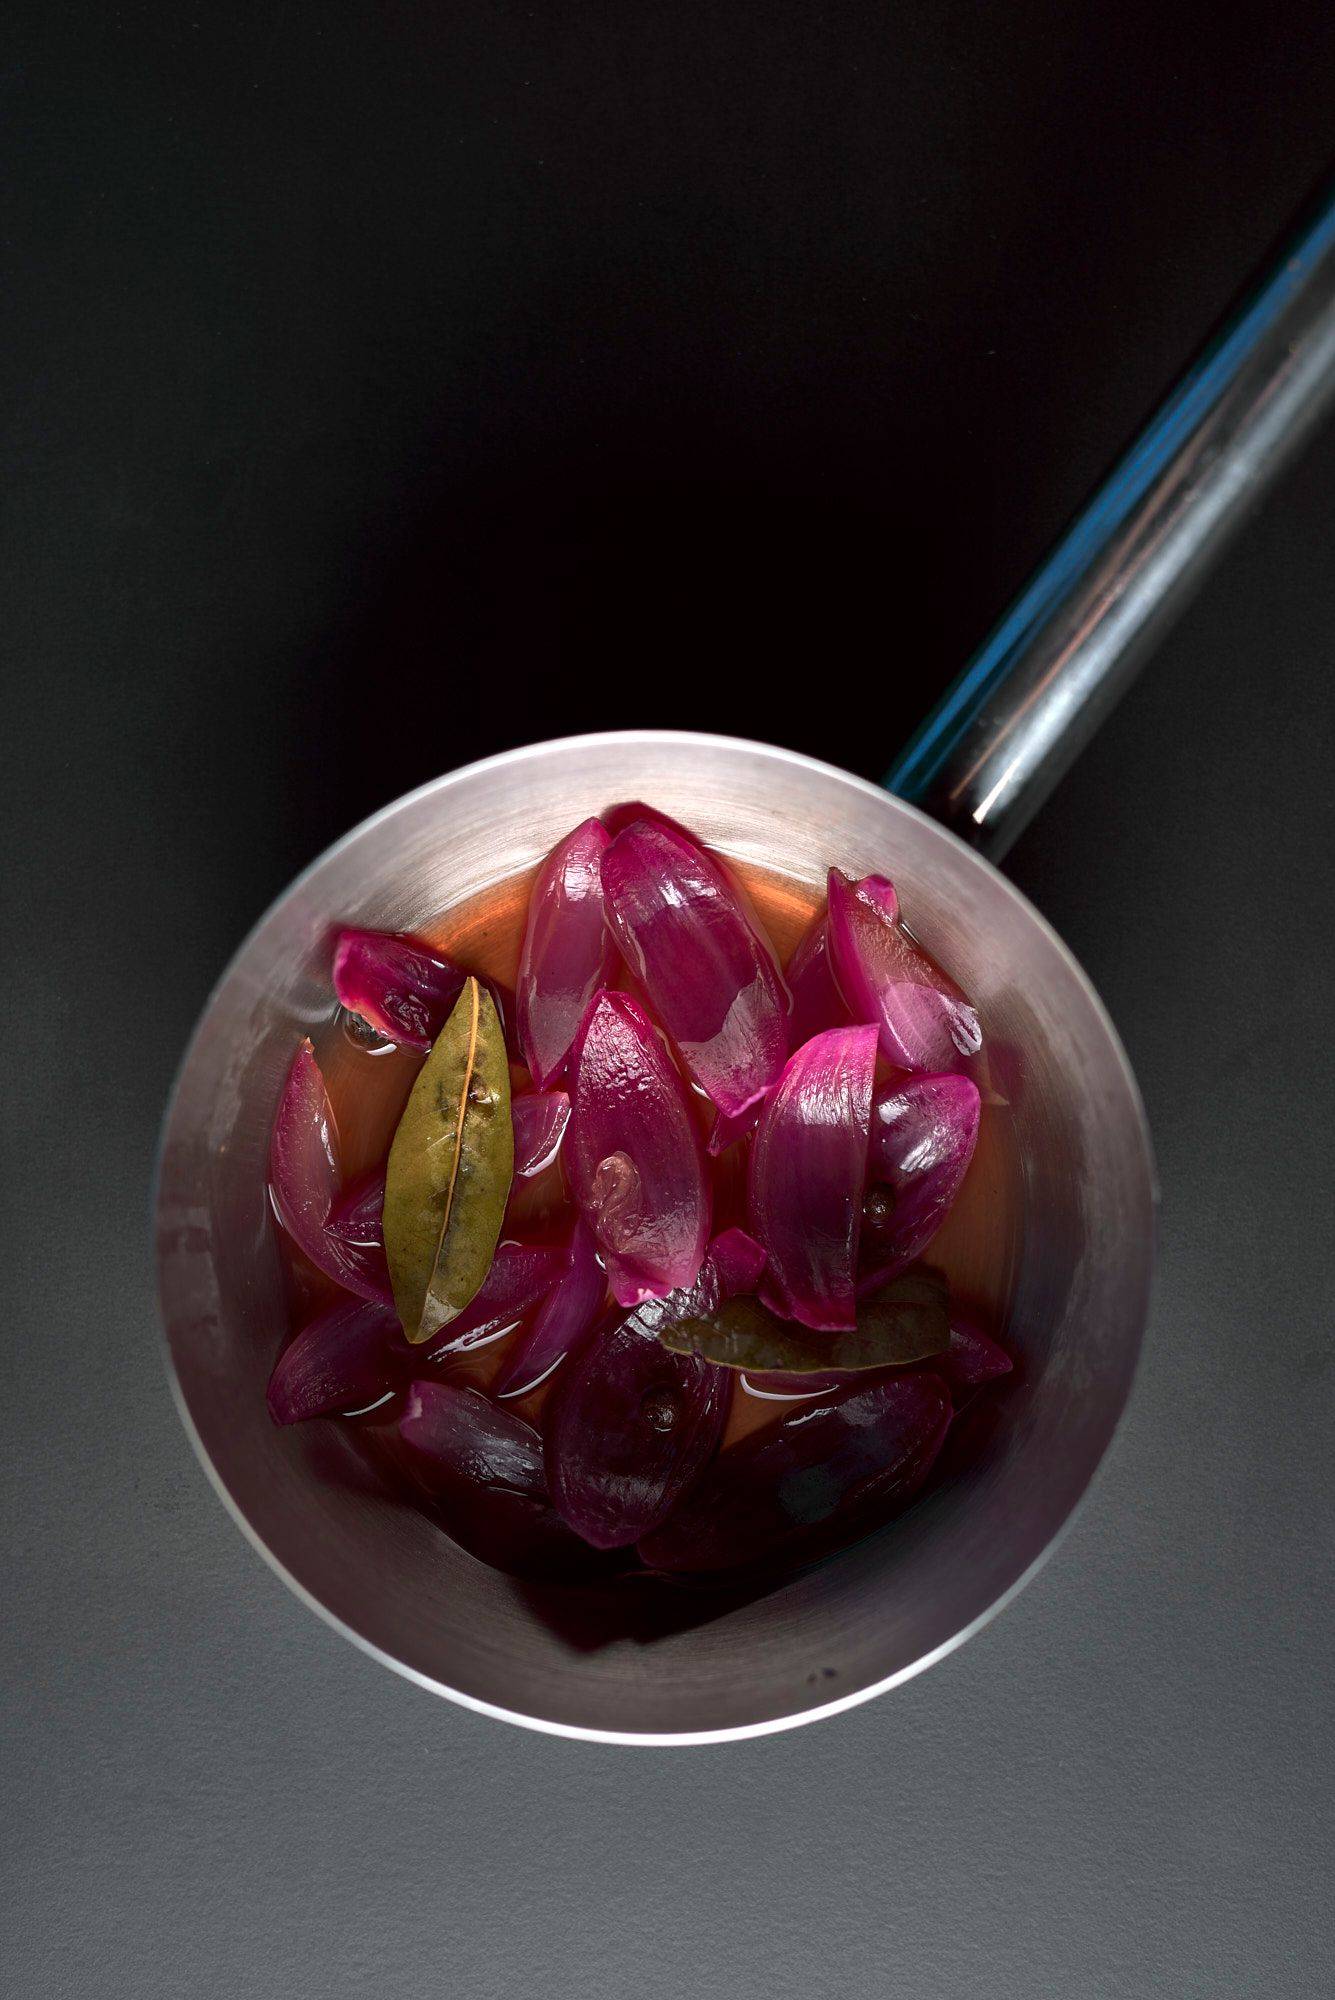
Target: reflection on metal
pixel 989 754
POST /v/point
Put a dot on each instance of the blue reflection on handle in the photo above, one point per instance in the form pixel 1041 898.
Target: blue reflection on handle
pixel 922 758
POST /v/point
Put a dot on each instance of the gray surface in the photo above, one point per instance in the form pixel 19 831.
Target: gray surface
pixel 276 273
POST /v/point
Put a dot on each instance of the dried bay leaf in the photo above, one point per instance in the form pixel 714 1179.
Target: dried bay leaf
pixel 450 1168
pixel 904 1321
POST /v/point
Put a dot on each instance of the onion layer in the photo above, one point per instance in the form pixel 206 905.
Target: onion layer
pixel 567 954
pixel 808 1165
pixel 631 1425
pixel 924 1020
pixel 923 1133
pixel 563 1319
pixel 785 1491
pixel 345 1358
pixel 633 1153
pixel 305 1169
pixel 687 935
pixel 483 1469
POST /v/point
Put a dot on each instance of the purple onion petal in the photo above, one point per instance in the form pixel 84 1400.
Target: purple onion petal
pixel 815 1474
pixel 631 1425
pixel 808 1166
pixel 344 1359
pixel 923 1133
pixel 305 1169
pixel 305 1164
pixel 483 1469
pixel 630 812
pixel 973 1356
pixel 739 1261
pixel 520 1275
pixel 924 1020
pixel 355 1238
pixel 358 1214
pixel 633 1153
pixel 402 987
pixel 540 1119
pixel 727 1131
pixel 708 970
pixel 563 1319
pixel 567 954
pixel 817 1002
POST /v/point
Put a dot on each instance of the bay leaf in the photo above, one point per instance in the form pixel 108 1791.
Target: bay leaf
pixel 903 1321
pixel 450 1168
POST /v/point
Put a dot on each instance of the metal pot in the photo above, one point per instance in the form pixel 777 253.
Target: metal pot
pixel 606 1664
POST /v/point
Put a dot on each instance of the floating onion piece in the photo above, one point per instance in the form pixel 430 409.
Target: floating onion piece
pixel 728 1131
pixel 305 1170
pixel 923 1133
pixel 521 1274
pixel 449 1170
pixel 630 1425
pixel 633 1154
pixel 618 817
pixel 738 1261
pixel 358 1215
pixel 817 1002
pixel 973 1356
pixel 540 1118
pixel 342 1360
pixel 787 1490
pixel 924 1020
pixel 567 953
pixel 808 1165
pixel 483 1469
pixel 401 987
pixel 561 1322
pixel 710 974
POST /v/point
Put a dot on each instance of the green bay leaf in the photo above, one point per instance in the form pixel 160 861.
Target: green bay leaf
pixel 450 1167
pixel 906 1320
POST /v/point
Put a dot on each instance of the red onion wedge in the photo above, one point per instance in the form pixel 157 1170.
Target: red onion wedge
pixel 563 1319
pixel 631 811
pixel 973 1356
pixel 305 1169
pixel 357 1217
pixel 483 1469
pixel 567 954
pixel 817 1002
pixel 540 1118
pixel 633 1153
pixel 710 975
pixel 727 1131
pixel 399 986
pixel 521 1274
pixel 631 1425
pixel 357 1222
pixel 349 1356
pixel 738 1259
pixel 923 1132
pixel 808 1166
pixel 784 1491
pixel 925 1021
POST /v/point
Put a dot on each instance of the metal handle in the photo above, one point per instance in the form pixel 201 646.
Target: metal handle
pixel 992 750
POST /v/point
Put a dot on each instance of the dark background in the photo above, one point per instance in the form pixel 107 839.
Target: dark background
pixel 384 385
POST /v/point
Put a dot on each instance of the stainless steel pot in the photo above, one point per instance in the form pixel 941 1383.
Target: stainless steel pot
pixel 607 1664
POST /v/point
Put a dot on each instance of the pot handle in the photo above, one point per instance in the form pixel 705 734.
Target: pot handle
pixel 990 752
